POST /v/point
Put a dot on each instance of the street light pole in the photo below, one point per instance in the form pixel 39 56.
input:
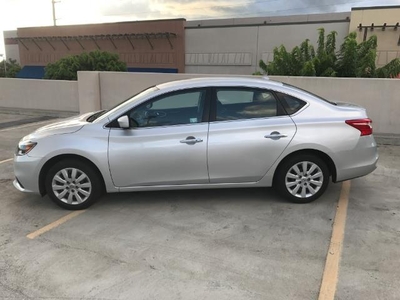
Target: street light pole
pixel 53 2
pixel 5 64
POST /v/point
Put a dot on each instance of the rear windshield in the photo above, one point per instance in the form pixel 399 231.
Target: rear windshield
pixel 308 92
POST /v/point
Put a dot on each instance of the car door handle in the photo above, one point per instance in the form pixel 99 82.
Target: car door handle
pixel 275 135
pixel 191 140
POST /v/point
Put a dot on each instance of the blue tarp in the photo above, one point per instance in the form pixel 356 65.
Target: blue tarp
pixel 32 72
pixel 153 70
pixel 37 72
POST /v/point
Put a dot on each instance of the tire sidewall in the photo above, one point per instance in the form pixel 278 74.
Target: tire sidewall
pixel 82 166
pixel 289 163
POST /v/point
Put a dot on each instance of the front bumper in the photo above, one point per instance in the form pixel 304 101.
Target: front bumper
pixel 26 170
pixel 19 187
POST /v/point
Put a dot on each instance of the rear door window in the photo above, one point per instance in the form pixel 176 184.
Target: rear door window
pixel 245 103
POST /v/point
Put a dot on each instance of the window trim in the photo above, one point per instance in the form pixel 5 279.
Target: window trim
pixel 206 109
pixel 281 112
pixel 284 104
pixel 161 126
pixel 309 93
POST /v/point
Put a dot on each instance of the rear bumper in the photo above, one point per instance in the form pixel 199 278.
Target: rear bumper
pixel 356 172
pixel 359 161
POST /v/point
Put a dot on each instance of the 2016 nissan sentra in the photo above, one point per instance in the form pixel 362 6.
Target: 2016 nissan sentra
pixel 200 133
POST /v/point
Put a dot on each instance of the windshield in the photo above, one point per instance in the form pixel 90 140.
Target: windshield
pixel 308 92
pixel 104 113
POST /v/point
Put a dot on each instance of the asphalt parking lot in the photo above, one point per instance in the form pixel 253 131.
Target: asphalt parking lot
pixel 203 244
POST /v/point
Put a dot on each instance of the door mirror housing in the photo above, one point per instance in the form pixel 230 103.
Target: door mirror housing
pixel 123 122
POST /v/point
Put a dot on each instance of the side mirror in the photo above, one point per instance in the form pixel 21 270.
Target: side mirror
pixel 123 122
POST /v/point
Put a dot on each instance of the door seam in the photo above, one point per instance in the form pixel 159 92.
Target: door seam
pixel 208 140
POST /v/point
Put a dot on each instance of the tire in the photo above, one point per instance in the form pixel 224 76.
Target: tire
pixel 77 184
pixel 292 184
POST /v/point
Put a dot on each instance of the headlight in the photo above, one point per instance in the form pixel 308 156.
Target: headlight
pixel 24 147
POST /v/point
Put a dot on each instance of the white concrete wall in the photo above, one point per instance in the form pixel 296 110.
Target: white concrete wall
pixel 379 96
pixel 89 91
pixel 102 90
pixel 39 94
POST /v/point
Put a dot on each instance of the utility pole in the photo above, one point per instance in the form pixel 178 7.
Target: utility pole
pixel 53 2
pixel 5 64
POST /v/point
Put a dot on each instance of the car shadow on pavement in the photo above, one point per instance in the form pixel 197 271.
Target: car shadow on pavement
pixel 196 196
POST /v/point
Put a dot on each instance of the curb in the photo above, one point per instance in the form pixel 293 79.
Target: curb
pixel 392 140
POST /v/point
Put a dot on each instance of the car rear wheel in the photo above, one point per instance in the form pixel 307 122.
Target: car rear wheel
pixel 303 178
pixel 73 184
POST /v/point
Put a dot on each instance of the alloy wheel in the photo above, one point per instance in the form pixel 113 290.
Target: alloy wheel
pixel 71 186
pixel 304 179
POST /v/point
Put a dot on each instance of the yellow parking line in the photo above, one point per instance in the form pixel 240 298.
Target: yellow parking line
pixel 6 160
pixel 55 224
pixel 331 271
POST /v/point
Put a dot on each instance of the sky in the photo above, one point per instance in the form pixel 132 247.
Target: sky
pixel 31 13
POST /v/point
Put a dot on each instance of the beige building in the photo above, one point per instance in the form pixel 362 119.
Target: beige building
pixel 382 21
pixel 235 46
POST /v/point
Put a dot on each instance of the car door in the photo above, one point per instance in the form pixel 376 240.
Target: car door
pixel 167 144
pixel 248 132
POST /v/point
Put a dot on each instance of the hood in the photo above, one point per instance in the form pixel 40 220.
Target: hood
pixel 69 125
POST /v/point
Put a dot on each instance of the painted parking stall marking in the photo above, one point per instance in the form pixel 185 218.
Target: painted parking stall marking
pixel 331 271
pixel 6 160
pixel 54 224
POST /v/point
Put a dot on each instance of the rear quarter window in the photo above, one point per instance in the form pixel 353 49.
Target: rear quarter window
pixel 290 103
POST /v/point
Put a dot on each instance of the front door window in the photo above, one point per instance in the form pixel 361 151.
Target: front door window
pixel 184 107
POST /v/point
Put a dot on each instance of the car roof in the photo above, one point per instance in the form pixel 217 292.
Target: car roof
pixel 241 81
pixel 219 81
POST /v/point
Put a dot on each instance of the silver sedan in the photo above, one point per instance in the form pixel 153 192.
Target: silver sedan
pixel 200 133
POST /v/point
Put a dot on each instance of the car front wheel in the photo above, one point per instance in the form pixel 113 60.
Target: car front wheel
pixel 73 184
pixel 303 178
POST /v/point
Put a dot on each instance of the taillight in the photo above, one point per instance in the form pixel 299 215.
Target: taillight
pixel 364 125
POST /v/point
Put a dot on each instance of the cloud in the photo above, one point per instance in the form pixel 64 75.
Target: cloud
pixel 290 7
pixel 22 13
pixel 189 9
pixel 197 9
pixel 121 8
